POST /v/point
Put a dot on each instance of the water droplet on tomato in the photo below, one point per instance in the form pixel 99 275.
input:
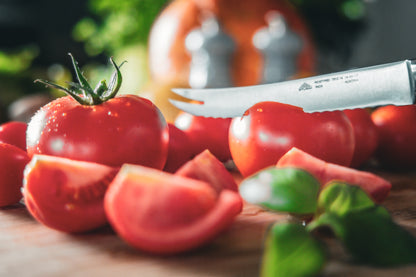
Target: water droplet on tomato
pixel 56 145
pixel 240 127
pixel 69 206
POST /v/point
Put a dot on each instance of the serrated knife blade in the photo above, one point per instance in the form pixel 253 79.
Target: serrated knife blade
pixel 386 84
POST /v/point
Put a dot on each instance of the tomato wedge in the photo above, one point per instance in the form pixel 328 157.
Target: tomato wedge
pixel 206 167
pixel 66 195
pixel 162 213
pixel 375 186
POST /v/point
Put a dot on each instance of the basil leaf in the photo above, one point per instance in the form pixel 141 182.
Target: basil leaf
pixel 282 189
pixel 372 237
pixel 341 198
pixel 291 251
pixel 366 230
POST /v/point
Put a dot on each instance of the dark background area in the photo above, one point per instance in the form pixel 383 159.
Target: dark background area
pixel 382 33
pixel 44 24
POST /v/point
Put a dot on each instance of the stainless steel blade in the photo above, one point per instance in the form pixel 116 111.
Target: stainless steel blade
pixel 386 84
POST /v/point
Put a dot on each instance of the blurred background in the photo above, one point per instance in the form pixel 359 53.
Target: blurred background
pixel 198 43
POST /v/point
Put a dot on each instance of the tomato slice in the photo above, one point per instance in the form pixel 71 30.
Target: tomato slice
pixel 66 195
pixel 162 213
pixel 377 187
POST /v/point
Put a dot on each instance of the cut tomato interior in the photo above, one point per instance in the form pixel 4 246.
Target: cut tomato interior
pixel 66 195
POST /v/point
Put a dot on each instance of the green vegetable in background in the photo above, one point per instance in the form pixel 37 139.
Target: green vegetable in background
pixel 282 189
pixel 290 250
pixel 366 230
pixel 117 24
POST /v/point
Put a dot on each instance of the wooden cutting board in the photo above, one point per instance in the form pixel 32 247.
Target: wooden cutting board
pixel 28 248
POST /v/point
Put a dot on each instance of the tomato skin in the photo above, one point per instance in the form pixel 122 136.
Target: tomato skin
pixel 14 132
pixel 397 136
pixel 365 133
pixel 12 163
pixel 269 129
pixel 124 129
pixel 179 151
pixel 206 133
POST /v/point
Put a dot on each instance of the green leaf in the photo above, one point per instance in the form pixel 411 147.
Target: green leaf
pixel 372 237
pixel 291 251
pixel 341 198
pixel 282 189
pixel 366 230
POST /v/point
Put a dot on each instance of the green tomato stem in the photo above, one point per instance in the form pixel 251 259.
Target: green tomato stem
pixel 82 91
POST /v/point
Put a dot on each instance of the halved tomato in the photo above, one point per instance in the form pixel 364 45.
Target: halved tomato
pixel 163 213
pixel 66 195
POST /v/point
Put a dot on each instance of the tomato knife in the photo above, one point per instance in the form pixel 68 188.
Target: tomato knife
pixel 386 84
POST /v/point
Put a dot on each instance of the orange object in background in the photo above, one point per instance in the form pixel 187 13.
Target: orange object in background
pixel 169 59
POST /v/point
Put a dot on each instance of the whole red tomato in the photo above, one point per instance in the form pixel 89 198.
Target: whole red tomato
pixel 14 132
pixel 179 150
pixel 12 163
pixel 206 133
pixel 269 129
pixel 97 127
pixel 397 136
pixel 365 133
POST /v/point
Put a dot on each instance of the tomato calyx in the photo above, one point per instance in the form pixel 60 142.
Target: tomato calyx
pixel 82 91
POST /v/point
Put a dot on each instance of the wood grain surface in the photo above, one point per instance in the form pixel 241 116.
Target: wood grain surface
pixel 28 248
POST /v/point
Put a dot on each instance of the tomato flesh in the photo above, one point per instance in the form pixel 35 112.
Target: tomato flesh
pixel 162 213
pixel 66 195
